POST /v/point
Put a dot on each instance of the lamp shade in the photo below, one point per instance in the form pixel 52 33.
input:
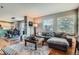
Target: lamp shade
pixel 35 25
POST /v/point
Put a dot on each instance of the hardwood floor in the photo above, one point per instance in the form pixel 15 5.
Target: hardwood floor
pixel 6 42
pixel 3 43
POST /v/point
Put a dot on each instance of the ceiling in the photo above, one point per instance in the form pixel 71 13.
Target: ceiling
pixel 18 10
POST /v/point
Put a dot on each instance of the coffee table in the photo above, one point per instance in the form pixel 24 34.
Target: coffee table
pixel 31 41
pixel 36 41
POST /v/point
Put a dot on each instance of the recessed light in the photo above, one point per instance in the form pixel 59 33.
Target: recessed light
pixel 1 6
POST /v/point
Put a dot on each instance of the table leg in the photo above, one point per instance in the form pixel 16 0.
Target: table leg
pixel 35 46
pixel 25 43
pixel 42 43
pixel 21 38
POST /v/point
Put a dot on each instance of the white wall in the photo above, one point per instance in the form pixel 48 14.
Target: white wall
pixel 78 21
pixel 30 30
pixel 21 27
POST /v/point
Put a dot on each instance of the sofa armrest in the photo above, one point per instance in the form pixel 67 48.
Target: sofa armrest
pixel 69 41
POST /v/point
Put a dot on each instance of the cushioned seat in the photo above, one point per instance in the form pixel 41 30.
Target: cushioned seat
pixel 2 32
pixel 58 43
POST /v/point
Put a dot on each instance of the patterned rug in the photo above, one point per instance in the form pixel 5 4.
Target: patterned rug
pixel 20 49
pixel 12 41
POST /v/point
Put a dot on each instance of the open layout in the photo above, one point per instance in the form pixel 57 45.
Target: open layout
pixel 39 29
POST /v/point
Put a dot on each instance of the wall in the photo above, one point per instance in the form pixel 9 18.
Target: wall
pixel 30 30
pixel 5 25
pixel 20 26
pixel 78 21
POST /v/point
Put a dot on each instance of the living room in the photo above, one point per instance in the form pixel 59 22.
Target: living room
pixel 39 29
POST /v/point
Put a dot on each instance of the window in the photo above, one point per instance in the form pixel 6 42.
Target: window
pixel 48 25
pixel 66 24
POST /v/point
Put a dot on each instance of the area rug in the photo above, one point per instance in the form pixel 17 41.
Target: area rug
pixel 12 41
pixel 20 49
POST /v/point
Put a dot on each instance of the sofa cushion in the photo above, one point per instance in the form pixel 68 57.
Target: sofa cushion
pixel 60 34
pixel 51 34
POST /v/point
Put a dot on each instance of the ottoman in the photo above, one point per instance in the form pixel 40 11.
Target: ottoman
pixel 58 43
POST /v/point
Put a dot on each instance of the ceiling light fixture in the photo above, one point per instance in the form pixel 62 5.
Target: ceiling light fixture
pixel 13 18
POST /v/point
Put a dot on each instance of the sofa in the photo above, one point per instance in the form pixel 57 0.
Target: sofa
pixel 2 32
